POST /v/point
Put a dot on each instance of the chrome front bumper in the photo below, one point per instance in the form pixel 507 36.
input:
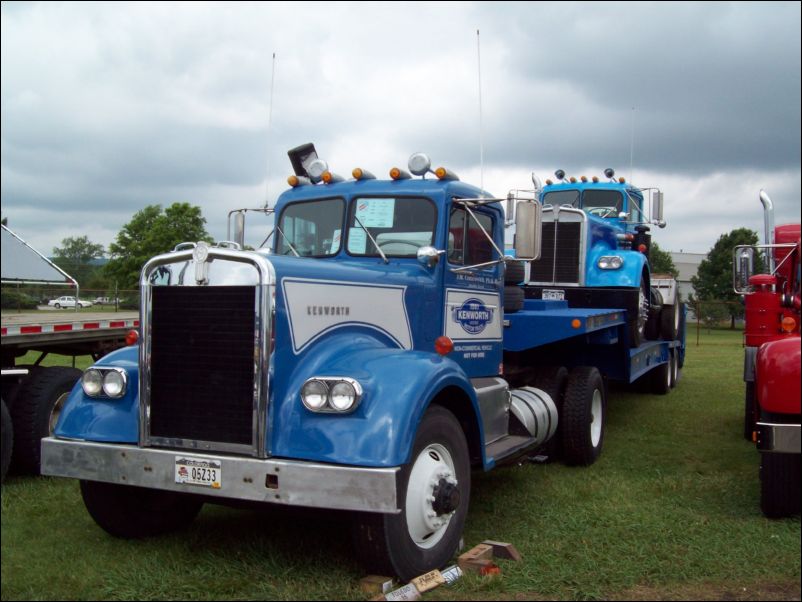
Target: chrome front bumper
pixel 289 482
pixel 779 438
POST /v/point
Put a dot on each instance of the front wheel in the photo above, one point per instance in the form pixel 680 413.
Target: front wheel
pixel 779 484
pixel 434 491
pixel 132 512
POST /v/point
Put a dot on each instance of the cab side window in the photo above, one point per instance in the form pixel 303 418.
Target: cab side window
pixel 467 244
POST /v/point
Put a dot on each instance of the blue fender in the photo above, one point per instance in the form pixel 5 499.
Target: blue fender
pixel 628 275
pixel 398 386
pixel 103 419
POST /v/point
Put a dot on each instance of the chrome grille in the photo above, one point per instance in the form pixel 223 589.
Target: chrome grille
pixel 202 364
pixel 561 258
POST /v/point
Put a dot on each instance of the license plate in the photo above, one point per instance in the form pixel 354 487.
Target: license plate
pixel 198 471
pixel 553 295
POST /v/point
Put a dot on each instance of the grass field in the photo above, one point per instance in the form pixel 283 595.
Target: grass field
pixel 670 511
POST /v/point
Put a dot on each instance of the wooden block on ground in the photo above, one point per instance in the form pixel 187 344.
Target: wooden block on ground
pixel 376 584
pixel 428 581
pixel 476 558
pixel 504 550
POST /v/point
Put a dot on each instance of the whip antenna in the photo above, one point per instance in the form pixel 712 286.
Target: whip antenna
pixel 631 144
pixel 269 121
pixel 481 129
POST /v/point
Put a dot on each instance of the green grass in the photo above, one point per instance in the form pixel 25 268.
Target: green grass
pixel 671 509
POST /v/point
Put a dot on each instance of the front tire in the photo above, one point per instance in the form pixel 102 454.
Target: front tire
pixel 133 512
pixel 779 484
pixel 434 492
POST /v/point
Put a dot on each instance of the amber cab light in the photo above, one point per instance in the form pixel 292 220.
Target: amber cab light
pixel 788 324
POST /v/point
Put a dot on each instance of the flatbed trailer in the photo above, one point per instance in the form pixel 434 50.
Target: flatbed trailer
pixel 596 337
pixel 33 394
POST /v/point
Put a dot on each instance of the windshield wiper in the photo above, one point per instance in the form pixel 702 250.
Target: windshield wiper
pixel 373 240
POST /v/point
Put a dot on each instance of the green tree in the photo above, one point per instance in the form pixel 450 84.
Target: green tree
pixel 713 280
pixel 75 256
pixel 150 232
pixel 661 262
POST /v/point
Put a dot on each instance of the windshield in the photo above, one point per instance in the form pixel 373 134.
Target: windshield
pixel 561 197
pixel 604 203
pixel 311 228
pixel 399 226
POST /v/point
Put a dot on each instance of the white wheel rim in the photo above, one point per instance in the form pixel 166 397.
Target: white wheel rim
pixel 643 310
pixel 596 418
pixel 425 527
pixel 676 318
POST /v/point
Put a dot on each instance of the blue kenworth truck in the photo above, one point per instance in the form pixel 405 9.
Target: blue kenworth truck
pixel 375 353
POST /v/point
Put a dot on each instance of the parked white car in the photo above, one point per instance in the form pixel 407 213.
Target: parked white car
pixel 68 302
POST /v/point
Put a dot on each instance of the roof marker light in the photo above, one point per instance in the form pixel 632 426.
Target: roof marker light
pixel 399 174
pixel 362 174
pixel 622 180
pixel 331 178
pixel 572 180
pixel 296 181
pixel 445 174
pixel 584 178
pixel 595 179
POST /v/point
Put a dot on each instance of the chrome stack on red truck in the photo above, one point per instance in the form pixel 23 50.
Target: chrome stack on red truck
pixel 773 400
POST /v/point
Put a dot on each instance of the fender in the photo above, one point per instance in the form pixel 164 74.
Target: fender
pixel 777 378
pixel 102 419
pixel 398 386
pixel 628 275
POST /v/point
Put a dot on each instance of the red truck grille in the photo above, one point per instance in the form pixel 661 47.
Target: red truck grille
pixel 202 364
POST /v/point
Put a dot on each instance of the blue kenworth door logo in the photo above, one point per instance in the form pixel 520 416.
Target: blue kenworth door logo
pixel 473 316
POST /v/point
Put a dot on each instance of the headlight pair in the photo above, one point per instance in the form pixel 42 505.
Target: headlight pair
pixel 108 382
pixel 331 394
pixel 610 262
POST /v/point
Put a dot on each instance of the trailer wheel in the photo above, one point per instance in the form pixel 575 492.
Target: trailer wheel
pixel 133 512
pixel 7 441
pixel 583 416
pixel 661 378
pixel 35 410
pixel 669 322
pixel 779 484
pixel 434 491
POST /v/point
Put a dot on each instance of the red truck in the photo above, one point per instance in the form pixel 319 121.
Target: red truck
pixel 773 401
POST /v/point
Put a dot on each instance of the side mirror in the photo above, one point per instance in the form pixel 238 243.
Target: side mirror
pixel 239 229
pixel 429 256
pixel 743 266
pixel 528 228
pixel 657 208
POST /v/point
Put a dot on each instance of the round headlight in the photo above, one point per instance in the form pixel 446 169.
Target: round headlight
pixel 343 396
pixel 92 382
pixel 315 394
pixel 114 383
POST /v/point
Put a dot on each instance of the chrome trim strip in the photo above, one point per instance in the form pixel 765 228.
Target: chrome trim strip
pixel 263 312
pixel 288 482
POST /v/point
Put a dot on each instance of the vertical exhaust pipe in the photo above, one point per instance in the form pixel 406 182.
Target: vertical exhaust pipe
pixel 768 225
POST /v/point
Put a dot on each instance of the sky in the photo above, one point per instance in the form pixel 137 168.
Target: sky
pixel 110 107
